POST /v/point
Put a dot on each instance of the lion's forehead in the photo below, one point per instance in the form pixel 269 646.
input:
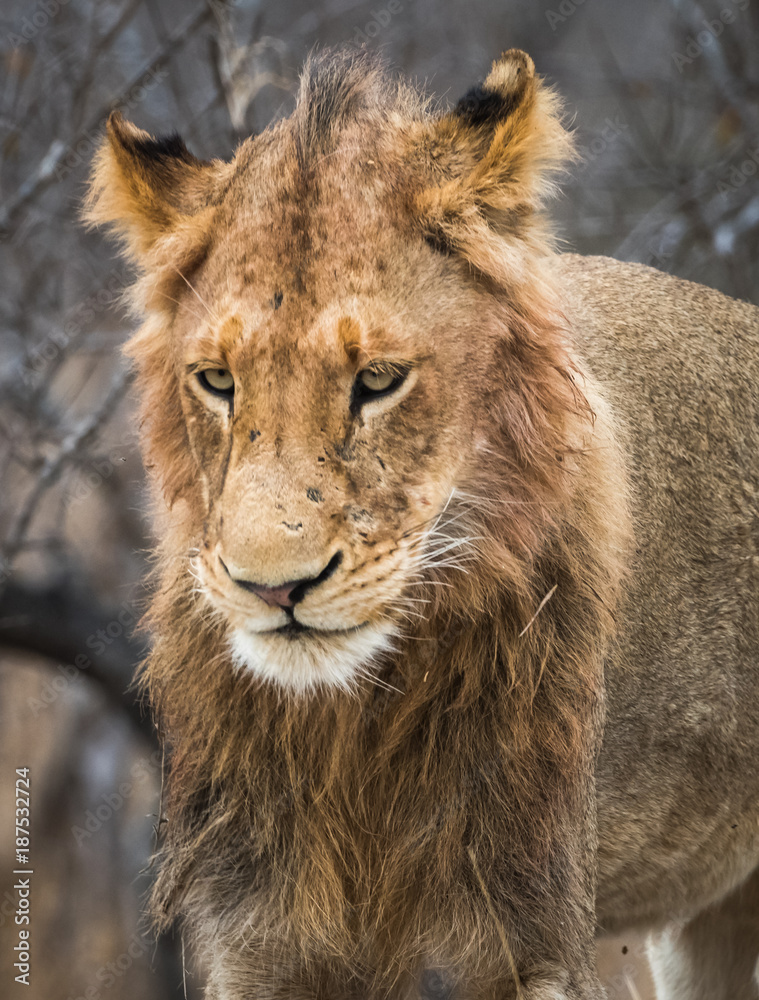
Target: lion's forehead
pixel 308 219
pixel 293 255
pixel 268 271
pixel 296 232
pixel 279 335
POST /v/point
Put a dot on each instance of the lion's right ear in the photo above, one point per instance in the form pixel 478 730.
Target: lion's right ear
pixel 147 189
pixel 492 158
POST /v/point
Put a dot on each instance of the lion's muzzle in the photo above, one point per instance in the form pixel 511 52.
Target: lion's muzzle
pixel 286 595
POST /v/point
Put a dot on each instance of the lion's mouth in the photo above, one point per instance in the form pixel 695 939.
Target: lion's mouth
pixel 294 629
pixel 304 658
pixel 290 629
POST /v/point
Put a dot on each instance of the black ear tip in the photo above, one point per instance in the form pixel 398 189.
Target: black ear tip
pixel 169 147
pixel 480 105
pixel 505 87
pixel 137 142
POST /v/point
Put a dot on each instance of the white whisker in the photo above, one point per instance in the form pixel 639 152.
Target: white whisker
pixel 366 674
pixel 197 295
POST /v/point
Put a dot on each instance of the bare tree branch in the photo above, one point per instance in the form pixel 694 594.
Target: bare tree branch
pixel 69 625
pixel 48 169
pixel 80 438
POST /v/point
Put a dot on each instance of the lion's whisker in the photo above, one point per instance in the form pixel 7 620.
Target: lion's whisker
pixel 367 675
pixel 195 292
pixel 192 312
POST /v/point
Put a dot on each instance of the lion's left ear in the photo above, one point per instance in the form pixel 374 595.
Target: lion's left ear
pixel 147 189
pixel 494 156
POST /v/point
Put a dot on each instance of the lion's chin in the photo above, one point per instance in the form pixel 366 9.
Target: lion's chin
pixel 303 662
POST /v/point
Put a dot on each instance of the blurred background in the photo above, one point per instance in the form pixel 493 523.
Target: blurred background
pixel 663 97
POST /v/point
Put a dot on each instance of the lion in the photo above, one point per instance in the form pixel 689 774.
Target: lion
pixel 456 622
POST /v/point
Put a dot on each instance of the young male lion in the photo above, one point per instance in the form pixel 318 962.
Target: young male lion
pixel 433 502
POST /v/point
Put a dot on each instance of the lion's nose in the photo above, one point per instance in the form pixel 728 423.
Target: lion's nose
pixel 287 595
pixel 275 597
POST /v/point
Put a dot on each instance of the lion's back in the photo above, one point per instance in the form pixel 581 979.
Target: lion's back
pixel 679 365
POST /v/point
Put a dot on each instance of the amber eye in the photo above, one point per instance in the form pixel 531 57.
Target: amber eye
pixel 377 381
pixel 218 381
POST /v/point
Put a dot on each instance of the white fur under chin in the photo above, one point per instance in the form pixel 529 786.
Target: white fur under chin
pixel 304 663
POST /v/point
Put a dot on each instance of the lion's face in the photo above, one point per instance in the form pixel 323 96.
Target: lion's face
pixel 328 405
pixel 334 373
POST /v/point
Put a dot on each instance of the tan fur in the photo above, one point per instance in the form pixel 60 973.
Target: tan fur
pixel 411 798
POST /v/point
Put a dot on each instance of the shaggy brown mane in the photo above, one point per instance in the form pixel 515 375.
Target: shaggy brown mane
pixel 328 827
pixel 376 798
pixel 341 90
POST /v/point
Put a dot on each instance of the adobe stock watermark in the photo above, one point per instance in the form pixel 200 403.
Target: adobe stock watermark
pixel 34 21
pixel 380 19
pixel 112 802
pixel 68 673
pixel 85 144
pixel 611 130
pixel 739 173
pixel 92 476
pixel 712 28
pixel 660 252
pixel 108 975
pixel 58 340
pixel 563 13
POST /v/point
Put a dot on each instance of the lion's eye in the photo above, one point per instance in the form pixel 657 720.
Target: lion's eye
pixel 217 380
pixel 376 381
pixel 373 382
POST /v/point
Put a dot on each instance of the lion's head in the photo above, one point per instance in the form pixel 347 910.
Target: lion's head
pixel 351 380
